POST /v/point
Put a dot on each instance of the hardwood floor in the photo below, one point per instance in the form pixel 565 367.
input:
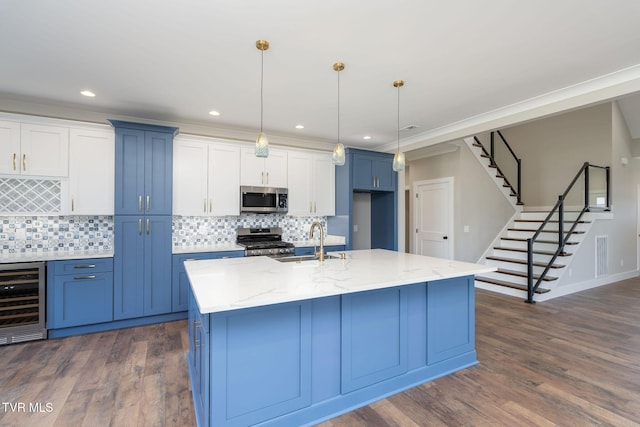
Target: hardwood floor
pixel 571 361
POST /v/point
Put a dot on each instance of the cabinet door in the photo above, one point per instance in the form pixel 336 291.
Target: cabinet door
pixel 251 168
pixel 362 172
pixel 224 179
pixel 190 178
pixel 157 265
pixel 276 168
pixel 91 172
pixel 45 150
pixel 384 174
pixel 158 176
pixel 300 196
pixel 324 185
pixel 81 299
pixel 128 266
pixel 129 179
pixel 10 147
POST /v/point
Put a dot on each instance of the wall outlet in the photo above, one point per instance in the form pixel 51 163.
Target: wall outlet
pixel 466 228
pixel 355 228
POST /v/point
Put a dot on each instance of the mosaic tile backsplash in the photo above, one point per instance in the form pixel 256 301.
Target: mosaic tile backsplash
pixel 56 234
pixel 189 232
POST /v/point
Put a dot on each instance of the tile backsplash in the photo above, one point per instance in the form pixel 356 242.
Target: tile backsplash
pixel 56 234
pixel 190 232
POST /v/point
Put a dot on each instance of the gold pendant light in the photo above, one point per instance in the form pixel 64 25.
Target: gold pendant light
pixel 262 142
pixel 338 152
pixel 398 159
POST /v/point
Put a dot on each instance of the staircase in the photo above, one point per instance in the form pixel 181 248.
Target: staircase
pixel 509 253
pixel 534 250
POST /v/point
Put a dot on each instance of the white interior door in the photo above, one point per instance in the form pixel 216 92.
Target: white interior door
pixel 433 218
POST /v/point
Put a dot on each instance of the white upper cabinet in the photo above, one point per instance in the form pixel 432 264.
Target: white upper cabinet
pixel 34 149
pixel 312 184
pixel 91 172
pixel 206 178
pixel 264 172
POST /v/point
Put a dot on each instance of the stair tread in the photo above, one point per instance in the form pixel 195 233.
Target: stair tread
pixel 546 278
pixel 522 261
pixel 502 248
pixel 522 239
pixel 547 231
pixel 554 221
pixel 508 284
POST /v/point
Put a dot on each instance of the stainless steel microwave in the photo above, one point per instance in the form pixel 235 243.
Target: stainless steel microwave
pixel 263 199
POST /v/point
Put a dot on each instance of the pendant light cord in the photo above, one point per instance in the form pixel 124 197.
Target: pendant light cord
pixel 261 86
pixel 398 118
pixel 338 107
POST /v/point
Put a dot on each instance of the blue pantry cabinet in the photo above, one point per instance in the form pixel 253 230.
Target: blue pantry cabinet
pixel 142 222
pixel 373 171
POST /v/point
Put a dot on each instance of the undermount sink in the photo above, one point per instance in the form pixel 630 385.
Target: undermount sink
pixel 302 258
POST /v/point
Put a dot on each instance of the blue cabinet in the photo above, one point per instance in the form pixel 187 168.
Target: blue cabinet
pixel 142 266
pixel 80 292
pixel 199 360
pixel 180 281
pixel 143 180
pixel 373 171
pixel 142 222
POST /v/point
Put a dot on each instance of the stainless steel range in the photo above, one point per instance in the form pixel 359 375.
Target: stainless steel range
pixel 264 241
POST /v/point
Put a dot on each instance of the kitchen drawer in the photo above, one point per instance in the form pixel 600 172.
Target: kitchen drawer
pixel 82 266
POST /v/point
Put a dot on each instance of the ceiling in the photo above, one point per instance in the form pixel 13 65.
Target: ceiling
pixel 467 65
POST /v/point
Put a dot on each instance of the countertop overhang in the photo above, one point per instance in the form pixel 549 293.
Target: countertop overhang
pixel 235 283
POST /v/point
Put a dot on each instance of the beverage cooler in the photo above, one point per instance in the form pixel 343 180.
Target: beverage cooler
pixel 22 302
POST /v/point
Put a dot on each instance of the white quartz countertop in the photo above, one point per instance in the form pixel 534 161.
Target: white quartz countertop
pixel 235 283
pixel 52 256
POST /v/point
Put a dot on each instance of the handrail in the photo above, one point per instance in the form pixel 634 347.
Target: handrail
pixel 518 189
pixel 562 239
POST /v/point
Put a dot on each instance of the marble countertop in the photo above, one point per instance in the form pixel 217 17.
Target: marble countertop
pixel 52 256
pixel 235 283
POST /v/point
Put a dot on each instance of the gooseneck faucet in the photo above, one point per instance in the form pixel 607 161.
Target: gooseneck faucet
pixel 313 225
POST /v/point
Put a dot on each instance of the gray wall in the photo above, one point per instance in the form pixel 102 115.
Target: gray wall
pixel 478 203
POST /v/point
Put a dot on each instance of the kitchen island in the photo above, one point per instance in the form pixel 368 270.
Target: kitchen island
pixel 279 344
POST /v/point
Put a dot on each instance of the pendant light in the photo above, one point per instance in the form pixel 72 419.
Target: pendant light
pixel 338 152
pixel 262 142
pixel 398 159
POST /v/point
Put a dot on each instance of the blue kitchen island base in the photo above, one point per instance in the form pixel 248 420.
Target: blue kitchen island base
pixel 302 362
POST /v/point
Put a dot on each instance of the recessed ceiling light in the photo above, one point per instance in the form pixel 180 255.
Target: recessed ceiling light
pixel 214 113
pixel 367 137
pixel 88 93
pixel 299 126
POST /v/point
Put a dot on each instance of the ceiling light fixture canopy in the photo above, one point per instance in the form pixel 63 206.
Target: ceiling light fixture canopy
pixel 262 142
pixel 398 159
pixel 338 151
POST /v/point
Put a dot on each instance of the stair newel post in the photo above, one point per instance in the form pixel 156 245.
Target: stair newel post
pixel 561 224
pixel 530 271
pixel 608 171
pixel 519 180
pixel 586 187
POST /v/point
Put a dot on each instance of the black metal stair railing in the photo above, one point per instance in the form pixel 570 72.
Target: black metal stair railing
pixel 559 209
pixel 516 190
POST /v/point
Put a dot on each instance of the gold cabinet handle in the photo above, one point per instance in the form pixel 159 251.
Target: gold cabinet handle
pixel 147 225
pixel 73 204
pixel 148 202
pixel 84 277
pixel 85 266
pixel 210 205
pixel 204 205
pixel 14 161
pixel 140 203
pixel 267 177
pixel 140 226
pixel 24 162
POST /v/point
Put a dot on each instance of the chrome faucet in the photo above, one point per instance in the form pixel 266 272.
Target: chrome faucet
pixel 313 225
